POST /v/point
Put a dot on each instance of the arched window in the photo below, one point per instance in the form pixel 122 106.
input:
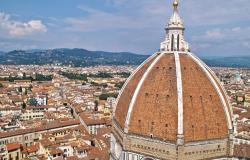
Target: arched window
pixel 172 43
pixel 148 158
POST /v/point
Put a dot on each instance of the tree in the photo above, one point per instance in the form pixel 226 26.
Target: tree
pixel 106 95
pixel 41 77
pixel 24 75
pixel 24 105
pixel 74 76
pixel 30 87
pixel 20 89
pixel 26 92
pixel 124 74
pixel 119 85
pixel 101 75
pixel 72 111
pixel 96 105
pixel 32 102
pixel 1 85
pixel 104 85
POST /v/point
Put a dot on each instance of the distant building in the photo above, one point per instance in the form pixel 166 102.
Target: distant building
pixel 42 100
pixel 10 110
pixel 92 123
pixel 22 83
pixel 28 136
pixel 247 99
pixel 12 152
pixel 30 115
pixel 111 102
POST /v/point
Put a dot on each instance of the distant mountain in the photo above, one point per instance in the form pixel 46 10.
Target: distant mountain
pixel 74 57
pixel 82 57
pixel 236 62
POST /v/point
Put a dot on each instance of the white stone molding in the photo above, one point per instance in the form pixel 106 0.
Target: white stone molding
pixel 223 89
pixel 132 103
pixel 179 93
pixel 212 80
pixel 131 76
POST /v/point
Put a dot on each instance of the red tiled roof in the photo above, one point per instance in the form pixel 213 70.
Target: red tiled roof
pixel 13 146
pixel 31 149
pixel 55 151
pixel 49 126
pixel 91 121
pixel 72 158
pixel 242 151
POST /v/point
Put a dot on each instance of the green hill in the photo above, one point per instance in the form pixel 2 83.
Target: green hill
pixel 74 57
pixel 83 57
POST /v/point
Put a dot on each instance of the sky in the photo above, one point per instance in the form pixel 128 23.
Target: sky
pixel 213 27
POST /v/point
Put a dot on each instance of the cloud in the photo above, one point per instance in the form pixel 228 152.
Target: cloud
pixel 138 25
pixel 97 20
pixel 246 44
pixel 8 44
pixel 154 14
pixel 223 40
pixel 214 12
pixel 116 2
pixel 20 29
pixel 224 34
pixel 214 34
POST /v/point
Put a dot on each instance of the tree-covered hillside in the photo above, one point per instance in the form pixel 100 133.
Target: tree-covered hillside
pixel 74 57
pixel 82 58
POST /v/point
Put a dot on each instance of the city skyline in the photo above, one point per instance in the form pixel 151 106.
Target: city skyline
pixel 72 89
pixel 122 25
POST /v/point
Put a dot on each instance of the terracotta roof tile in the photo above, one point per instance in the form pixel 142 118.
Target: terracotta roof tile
pixel 242 151
pixel 13 146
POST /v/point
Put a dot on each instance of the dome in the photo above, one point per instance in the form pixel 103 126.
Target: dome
pixel 172 107
pixel 171 93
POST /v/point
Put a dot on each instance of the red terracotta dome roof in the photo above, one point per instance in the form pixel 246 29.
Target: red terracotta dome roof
pixel 171 94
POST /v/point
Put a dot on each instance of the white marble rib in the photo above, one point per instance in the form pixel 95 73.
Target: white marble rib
pixel 130 77
pixel 223 89
pixel 179 93
pixel 212 80
pixel 137 92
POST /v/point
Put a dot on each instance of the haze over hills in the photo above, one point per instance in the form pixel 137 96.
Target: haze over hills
pixel 233 61
pixel 83 57
pixel 74 57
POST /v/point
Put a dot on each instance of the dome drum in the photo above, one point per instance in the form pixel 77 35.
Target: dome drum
pixel 157 149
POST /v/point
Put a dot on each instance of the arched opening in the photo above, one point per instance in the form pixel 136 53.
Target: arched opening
pixel 172 43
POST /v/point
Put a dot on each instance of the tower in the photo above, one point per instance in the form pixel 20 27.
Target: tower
pixel 172 107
